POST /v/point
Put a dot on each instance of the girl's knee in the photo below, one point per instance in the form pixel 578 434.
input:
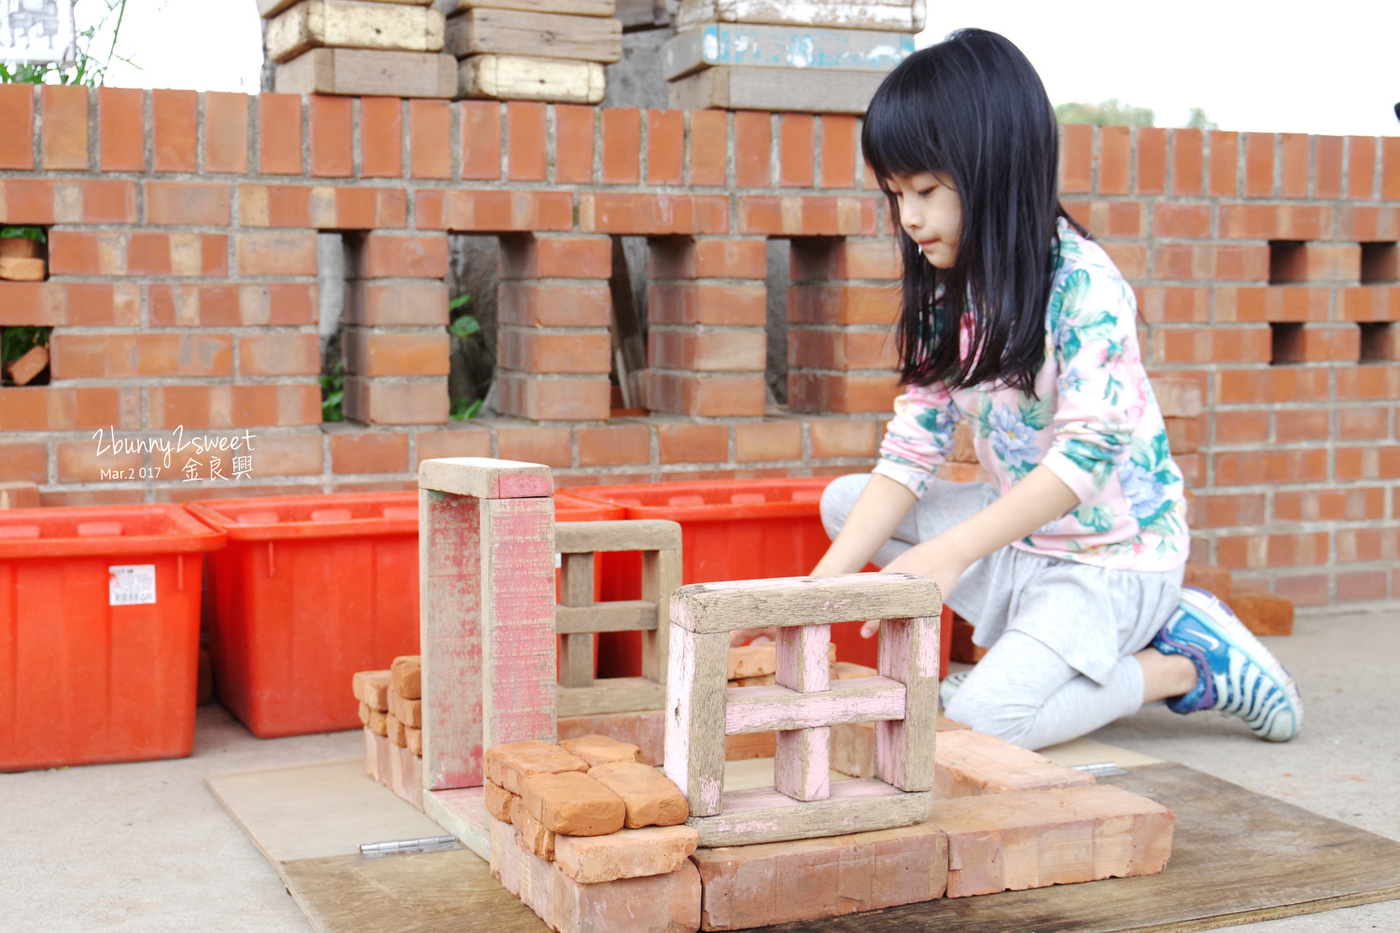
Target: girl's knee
pixel 1010 722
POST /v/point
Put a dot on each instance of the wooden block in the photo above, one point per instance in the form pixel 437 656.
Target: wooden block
pixel 1216 580
pixel 765 815
pixel 372 688
pixel 888 15
pixel 395 734
pixel 781 47
pixel 532 835
pixel 791 882
pixel 20 269
pixel 574 7
pixel 353 24
pixel 486 31
pixel 661 576
pixel 909 653
pixel 751 745
pixel 1029 840
pixel 763 709
pixel 636 535
pixel 27 368
pixel 611 695
pixel 968 763
pixel 1263 613
pixel 573 804
pixel 798 90
pixel 695 730
pixel 368 73
pixel 650 797
pixel 630 615
pixel 741 605
pixel 645 729
pixel 378 722
pixel 407 672
pixel 753 661
pixel 270 8
pixel 410 712
pixel 627 853
pixel 414 739
pixel 19 496
pixel 500 802
pixel 462 812
pixel 517 77
pixel 576 659
pixel 600 749
pixel 406 777
pixel 485 478
pixel 508 765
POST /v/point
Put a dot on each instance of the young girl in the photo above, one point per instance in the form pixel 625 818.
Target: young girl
pixel 1070 562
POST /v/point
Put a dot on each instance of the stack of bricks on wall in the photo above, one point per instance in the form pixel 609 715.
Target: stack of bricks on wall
pixel 590 838
pixel 391 708
pixel 182 239
pixel 389 48
pixel 823 56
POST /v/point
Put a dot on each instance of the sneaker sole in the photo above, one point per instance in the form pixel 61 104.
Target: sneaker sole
pixel 1214 613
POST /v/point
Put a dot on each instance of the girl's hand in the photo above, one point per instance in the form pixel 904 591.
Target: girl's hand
pixel 753 636
pixel 926 560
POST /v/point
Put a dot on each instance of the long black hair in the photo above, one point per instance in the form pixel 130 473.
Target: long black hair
pixel 972 109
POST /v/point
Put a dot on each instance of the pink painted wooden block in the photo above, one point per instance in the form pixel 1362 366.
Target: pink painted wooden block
pixel 801 762
pixel 909 653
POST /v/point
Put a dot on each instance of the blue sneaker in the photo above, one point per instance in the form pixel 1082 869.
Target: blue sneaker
pixel 1237 674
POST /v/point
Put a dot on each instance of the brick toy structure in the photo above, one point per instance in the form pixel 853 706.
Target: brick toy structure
pixel 591 839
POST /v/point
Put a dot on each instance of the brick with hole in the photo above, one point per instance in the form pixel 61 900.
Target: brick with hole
pixel 409 711
pixel 507 765
pixel 372 689
pixel 1263 613
pixel 600 749
pixel 627 853
pixel 651 798
pixel 500 802
pixel 408 676
pixel 573 803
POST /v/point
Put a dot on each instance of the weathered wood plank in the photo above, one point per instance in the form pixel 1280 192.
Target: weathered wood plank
pixel 765 815
pixel 642 14
pixel 462 812
pixel 610 695
pixel 354 24
pixel 629 615
pixel 904 748
pixel 485 31
pixel 642 535
pixel 484 478
pixel 369 73
pixel 801 767
pixel 748 604
pixel 576 658
pixel 695 702
pixel 516 77
pixel 575 7
pixel 801 90
pixel 270 8
pixel 780 47
pixel 765 709
pixel 661 576
pixel 889 15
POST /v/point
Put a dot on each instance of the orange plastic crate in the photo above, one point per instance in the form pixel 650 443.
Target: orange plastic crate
pixel 310 590
pixel 99 633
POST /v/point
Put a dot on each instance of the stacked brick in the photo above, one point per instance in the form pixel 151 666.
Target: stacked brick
pixel 590 838
pixel 386 48
pixel 826 56
pixel 391 709
pixel 542 50
pixel 21 259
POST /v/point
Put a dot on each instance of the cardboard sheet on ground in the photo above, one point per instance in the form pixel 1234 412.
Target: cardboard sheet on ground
pixel 1238 857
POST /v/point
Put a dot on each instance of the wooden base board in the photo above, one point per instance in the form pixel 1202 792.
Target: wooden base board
pixel 1238 857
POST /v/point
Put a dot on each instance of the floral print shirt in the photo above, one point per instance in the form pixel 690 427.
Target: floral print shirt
pixel 1094 421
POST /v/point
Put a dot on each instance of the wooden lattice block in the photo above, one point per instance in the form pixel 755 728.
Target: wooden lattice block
pixel 803 705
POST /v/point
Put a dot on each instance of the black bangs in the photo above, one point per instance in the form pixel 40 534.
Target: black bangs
pixel 972 110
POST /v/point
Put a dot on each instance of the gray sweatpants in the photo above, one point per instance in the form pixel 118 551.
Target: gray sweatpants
pixel 1060 634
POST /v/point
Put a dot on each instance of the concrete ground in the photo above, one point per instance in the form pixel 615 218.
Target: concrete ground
pixel 145 847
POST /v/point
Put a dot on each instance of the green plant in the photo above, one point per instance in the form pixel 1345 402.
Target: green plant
pixel 463 410
pixel 88 68
pixel 24 233
pixel 465 325
pixel 17 341
pixel 1111 112
pixel 333 393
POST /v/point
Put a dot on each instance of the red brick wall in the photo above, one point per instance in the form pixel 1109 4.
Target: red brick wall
pixel 183 293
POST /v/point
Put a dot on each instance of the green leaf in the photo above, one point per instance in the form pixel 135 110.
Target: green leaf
pixel 464 410
pixel 464 327
pixel 24 233
pixel 456 304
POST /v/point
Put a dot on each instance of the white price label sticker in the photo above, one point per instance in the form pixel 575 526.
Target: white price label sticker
pixel 131 585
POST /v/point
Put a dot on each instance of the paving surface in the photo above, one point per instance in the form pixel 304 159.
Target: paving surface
pixel 146 847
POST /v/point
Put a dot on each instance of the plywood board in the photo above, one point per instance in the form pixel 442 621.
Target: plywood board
pixel 486 31
pixel 782 47
pixel 775 89
pixel 891 15
pixel 368 73
pixel 517 77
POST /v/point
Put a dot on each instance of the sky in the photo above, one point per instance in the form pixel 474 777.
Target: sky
pixel 1327 68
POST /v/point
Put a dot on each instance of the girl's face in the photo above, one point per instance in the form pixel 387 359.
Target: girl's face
pixel 930 213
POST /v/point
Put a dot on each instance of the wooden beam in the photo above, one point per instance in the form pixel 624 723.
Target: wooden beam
pixel 661 576
pixel 517 77
pixel 484 478
pixel 610 695
pixel 741 605
pixel 369 73
pixel 765 709
pixel 763 815
pixel 802 90
pixel 629 615
pixel 695 703
pixel 484 31
pixel 354 25
pixel 643 535
pixel 904 748
pixel 270 8
pixel 576 659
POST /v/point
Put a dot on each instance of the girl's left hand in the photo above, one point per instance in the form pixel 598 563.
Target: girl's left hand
pixel 925 560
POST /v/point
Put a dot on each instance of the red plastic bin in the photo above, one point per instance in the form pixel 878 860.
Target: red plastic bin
pixel 99 633
pixel 310 590
pixel 733 530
